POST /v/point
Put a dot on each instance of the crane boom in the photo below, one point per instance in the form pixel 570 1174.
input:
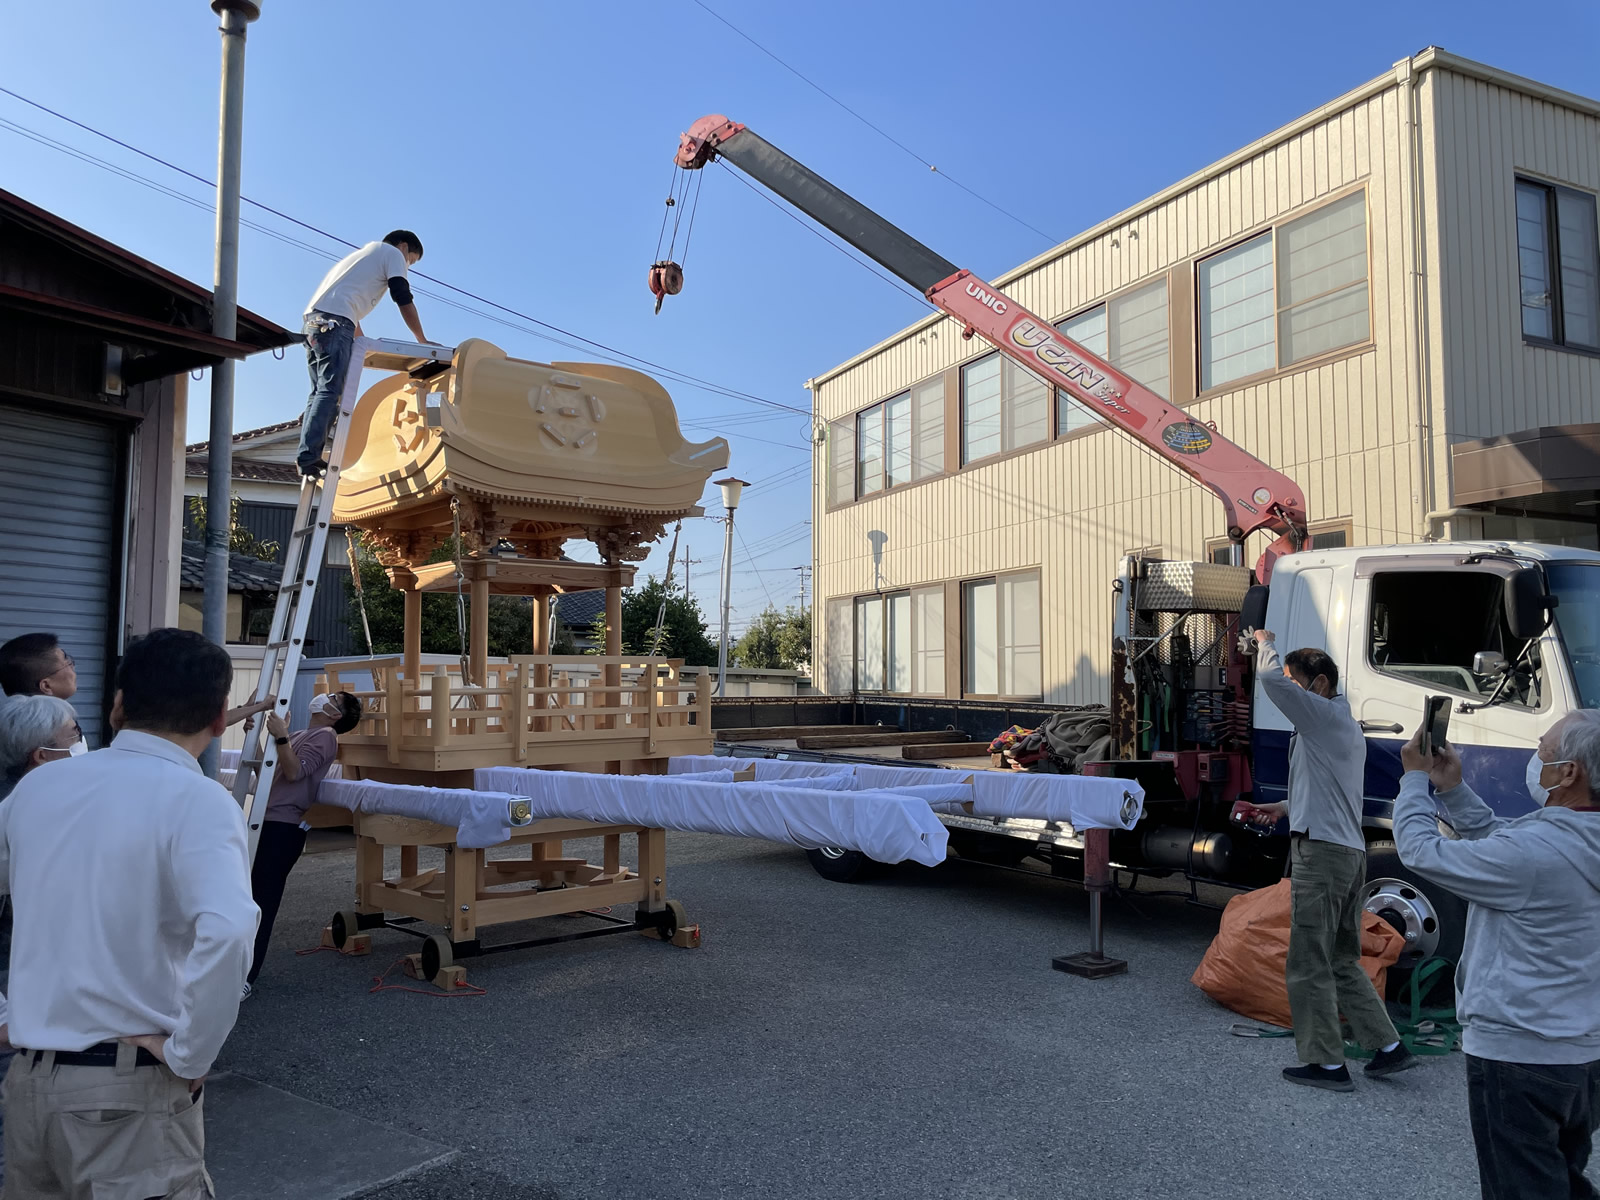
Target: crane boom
pixel 1254 496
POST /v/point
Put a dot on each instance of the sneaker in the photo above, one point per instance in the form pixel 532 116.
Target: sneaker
pixel 245 995
pixel 315 470
pixel 1321 1077
pixel 1390 1062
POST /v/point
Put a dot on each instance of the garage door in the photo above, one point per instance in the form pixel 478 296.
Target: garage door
pixel 58 542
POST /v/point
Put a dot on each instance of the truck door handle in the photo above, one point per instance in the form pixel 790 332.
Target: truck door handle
pixel 1382 727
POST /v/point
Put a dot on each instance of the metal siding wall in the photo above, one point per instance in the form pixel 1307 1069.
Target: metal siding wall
pixel 1486 135
pixel 58 543
pixel 1341 429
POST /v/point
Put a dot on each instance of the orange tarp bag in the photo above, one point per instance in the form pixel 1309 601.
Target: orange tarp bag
pixel 1243 969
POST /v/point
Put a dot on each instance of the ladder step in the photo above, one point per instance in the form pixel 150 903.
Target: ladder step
pixel 284 645
pixel 298 583
pixel 300 533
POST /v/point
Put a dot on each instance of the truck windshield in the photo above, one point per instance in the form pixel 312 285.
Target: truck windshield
pixel 1578 617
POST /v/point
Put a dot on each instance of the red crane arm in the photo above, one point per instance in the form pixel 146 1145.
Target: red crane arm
pixel 1253 495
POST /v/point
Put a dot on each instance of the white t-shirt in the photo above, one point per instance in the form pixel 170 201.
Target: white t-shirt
pixel 358 281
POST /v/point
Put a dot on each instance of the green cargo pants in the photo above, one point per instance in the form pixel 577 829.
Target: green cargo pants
pixel 1324 972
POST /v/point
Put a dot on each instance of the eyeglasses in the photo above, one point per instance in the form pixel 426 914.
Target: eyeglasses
pixel 67 664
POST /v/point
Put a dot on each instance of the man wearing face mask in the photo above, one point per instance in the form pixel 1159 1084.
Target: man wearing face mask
pixel 35 730
pixel 1328 869
pixel 1528 984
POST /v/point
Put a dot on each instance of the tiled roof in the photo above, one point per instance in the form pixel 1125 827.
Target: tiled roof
pixel 247 469
pixel 244 574
pixel 280 427
pixel 577 610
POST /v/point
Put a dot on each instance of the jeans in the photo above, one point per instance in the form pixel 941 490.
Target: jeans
pixel 1532 1124
pixel 277 852
pixel 328 341
pixel 1323 971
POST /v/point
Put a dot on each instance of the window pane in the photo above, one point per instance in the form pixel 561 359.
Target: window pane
pixel 839 647
pixel 897 435
pixel 1329 539
pixel 869 451
pixel 1138 336
pixel 1533 258
pixel 981 665
pixel 869 644
pixel 842 461
pixel 899 614
pixel 980 408
pixel 1236 313
pixel 1019 632
pixel 1027 407
pixel 927 456
pixel 1580 314
pixel 1222 554
pixel 337 550
pixel 927 627
pixel 1087 329
pixel 1322 280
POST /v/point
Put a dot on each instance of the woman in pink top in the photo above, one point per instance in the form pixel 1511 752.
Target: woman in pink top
pixel 303 761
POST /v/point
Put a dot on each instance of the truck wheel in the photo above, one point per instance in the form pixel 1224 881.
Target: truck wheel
pixel 1433 919
pixel 842 866
pixel 993 848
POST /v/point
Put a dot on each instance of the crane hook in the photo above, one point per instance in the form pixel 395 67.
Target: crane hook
pixel 666 279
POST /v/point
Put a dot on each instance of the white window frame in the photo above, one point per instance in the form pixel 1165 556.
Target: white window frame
pixel 1007 651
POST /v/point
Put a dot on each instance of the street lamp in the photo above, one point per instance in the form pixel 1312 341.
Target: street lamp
pixel 731 488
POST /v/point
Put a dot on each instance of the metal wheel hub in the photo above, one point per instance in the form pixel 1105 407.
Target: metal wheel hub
pixel 1409 911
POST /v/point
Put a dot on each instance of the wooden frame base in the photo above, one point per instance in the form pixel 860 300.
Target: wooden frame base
pixel 471 891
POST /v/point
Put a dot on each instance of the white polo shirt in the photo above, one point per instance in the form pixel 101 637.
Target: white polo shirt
pixel 358 281
pixel 129 874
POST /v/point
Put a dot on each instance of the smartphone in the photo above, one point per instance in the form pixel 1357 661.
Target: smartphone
pixel 1435 723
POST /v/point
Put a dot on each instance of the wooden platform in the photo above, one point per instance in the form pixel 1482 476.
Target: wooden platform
pixel 936 750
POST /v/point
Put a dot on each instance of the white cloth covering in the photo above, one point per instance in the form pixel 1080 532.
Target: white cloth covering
pixel 480 818
pixel 766 768
pixel 884 825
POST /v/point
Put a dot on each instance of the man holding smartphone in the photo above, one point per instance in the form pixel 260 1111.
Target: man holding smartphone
pixel 1528 984
pixel 1328 869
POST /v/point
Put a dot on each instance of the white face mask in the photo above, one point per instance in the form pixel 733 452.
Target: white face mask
pixel 1536 766
pixel 326 705
pixel 78 747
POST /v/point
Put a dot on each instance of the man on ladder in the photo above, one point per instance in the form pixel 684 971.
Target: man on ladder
pixel 346 294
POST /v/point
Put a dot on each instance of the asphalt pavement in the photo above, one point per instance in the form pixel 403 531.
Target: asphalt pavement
pixel 902 1038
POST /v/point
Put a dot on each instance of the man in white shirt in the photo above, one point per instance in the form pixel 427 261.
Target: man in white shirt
pixel 333 319
pixel 129 873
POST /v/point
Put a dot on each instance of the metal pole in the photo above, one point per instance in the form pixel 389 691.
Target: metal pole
pixel 727 597
pixel 236 15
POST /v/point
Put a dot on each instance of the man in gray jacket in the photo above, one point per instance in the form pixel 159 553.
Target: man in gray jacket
pixel 1528 984
pixel 1328 869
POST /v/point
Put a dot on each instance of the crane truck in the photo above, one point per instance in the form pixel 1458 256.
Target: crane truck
pixel 1510 632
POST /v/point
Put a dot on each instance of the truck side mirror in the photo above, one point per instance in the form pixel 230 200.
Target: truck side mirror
pixel 1526 603
pixel 1253 612
pixel 1491 664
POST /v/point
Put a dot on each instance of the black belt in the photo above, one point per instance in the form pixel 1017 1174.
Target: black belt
pixel 103 1055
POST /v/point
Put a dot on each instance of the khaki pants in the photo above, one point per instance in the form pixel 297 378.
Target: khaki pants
pixel 102 1133
pixel 1324 972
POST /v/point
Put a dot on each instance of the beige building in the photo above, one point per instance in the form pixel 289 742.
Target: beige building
pixel 1393 300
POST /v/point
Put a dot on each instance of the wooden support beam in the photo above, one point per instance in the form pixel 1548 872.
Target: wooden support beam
pixel 947 750
pixel 781 733
pixel 413 637
pixel 478 634
pixel 844 741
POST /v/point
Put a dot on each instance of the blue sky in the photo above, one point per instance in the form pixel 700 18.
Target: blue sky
pixel 529 146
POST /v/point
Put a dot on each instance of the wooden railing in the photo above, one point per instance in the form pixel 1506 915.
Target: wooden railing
pixel 529 699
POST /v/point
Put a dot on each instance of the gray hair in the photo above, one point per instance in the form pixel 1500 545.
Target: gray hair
pixel 26 723
pixel 1580 743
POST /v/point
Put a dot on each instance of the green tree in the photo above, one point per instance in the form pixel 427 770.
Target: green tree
pixel 240 539
pixel 683 633
pixel 510 617
pixel 775 641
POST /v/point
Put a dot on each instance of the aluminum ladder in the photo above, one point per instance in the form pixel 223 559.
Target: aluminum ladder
pixel 302 564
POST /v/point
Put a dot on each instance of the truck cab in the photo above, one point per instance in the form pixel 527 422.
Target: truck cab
pixel 1407 622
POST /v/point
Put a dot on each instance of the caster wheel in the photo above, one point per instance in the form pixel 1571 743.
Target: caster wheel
pixel 437 954
pixel 345 924
pixel 672 920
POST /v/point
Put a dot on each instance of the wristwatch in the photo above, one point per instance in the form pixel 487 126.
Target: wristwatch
pixel 283 741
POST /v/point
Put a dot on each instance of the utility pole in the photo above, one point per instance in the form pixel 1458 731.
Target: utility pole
pixel 236 15
pixel 686 561
pixel 805 576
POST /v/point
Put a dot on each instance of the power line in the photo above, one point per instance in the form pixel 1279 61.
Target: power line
pixel 679 376
pixel 875 128
pixel 739 533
